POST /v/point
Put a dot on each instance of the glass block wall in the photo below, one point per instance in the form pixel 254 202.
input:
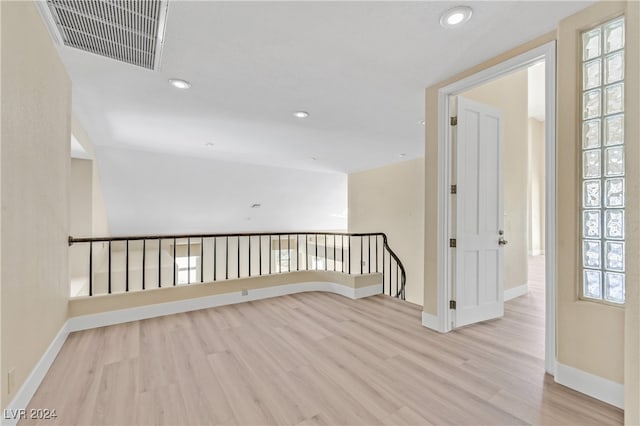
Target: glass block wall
pixel 603 175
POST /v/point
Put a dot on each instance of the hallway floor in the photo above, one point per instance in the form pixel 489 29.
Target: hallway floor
pixel 314 358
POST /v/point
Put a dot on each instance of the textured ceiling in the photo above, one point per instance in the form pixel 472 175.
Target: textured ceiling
pixel 359 68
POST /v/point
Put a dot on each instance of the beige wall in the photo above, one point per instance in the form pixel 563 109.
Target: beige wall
pixel 509 94
pixel 536 187
pixel 36 116
pixel 632 307
pixel 390 199
pixel 590 335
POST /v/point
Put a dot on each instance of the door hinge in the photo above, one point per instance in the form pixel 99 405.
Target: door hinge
pixel 454 189
pixel 452 304
pixel 454 121
pixel 452 242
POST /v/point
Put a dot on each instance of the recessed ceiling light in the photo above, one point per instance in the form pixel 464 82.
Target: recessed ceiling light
pixel 256 205
pixel 402 154
pixel 456 16
pixel 179 83
pixel 208 144
pixel 301 114
pixel 313 158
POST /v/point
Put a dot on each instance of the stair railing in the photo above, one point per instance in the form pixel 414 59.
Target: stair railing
pixel 107 265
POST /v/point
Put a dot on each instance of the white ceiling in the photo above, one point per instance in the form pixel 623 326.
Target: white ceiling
pixel 359 68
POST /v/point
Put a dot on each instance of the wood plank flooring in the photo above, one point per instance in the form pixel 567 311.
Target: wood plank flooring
pixel 314 359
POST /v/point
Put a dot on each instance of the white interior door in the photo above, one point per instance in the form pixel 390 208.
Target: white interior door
pixel 478 265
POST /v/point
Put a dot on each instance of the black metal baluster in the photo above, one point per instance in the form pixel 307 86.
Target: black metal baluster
pixel 188 260
pixel 201 259
pixel 249 255
pixel 144 259
pixel 270 247
pixel 390 274
pixel 369 247
pixel 126 266
pixel 159 263
pixel 297 252
pixel 175 267
pixel 316 244
pixel 238 256
pixel 342 251
pixel 90 269
pixel 260 255
pixel 109 287
pixel 397 282
pixel 306 252
pixel 349 253
pixel 215 257
pixel 226 255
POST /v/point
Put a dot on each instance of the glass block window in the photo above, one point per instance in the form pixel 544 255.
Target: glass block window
pixel 603 174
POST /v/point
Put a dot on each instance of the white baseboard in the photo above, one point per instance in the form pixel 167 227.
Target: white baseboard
pixel 512 293
pixel 431 321
pixel 362 292
pixel 22 398
pixel 11 414
pixel 590 384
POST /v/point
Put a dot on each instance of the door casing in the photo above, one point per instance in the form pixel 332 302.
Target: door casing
pixel 546 52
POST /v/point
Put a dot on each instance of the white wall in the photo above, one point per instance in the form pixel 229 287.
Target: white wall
pixel 172 194
pixel 80 212
pixel 80 197
pixel 99 222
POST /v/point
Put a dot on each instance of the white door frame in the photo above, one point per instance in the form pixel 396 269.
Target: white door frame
pixel 548 53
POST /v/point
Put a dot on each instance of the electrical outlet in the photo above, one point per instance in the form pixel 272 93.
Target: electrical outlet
pixel 10 380
pixel 245 292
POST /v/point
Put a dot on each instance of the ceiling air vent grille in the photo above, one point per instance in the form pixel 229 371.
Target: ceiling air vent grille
pixel 129 31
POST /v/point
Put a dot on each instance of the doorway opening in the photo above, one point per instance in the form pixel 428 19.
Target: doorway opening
pixel 519 99
pixel 527 220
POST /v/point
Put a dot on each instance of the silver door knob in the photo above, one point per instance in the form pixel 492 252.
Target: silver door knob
pixel 502 241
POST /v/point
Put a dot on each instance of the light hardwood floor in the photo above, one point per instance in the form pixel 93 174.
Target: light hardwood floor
pixel 314 358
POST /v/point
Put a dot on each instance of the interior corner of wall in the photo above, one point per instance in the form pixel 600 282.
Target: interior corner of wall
pixel 77 129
